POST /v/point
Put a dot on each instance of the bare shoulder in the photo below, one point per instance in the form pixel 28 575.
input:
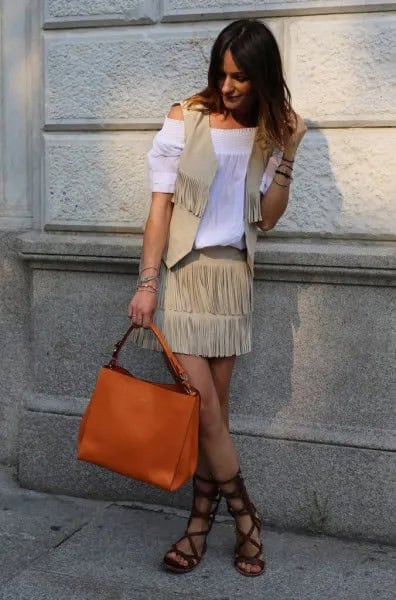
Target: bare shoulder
pixel 176 112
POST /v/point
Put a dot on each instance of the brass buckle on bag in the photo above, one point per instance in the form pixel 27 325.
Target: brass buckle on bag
pixel 186 382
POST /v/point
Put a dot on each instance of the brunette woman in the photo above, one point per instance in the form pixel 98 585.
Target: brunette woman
pixel 220 170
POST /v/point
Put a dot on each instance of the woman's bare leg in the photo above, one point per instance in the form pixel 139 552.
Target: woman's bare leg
pixel 201 378
pixel 215 440
pixel 221 369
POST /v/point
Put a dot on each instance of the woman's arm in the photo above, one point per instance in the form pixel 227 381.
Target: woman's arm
pixel 144 302
pixel 162 161
pixel 274 201
pixel 156 230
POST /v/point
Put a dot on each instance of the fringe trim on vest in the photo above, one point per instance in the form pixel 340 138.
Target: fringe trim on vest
pixel 190 193
pixel 254 208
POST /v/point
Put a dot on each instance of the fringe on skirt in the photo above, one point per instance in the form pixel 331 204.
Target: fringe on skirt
pixel 205 305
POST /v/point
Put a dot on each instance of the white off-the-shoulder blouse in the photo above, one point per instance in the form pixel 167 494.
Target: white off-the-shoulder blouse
pixel 222 222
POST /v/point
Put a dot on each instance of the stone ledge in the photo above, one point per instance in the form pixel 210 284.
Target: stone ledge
pixel 371 438
pixel 362 262
pixel 272 8
pixel 127 13
pixel 300 485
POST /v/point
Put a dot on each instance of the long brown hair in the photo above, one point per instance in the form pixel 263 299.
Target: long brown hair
pixel 256 52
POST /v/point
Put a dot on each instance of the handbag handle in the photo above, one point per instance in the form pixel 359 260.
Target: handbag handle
pixel 173 364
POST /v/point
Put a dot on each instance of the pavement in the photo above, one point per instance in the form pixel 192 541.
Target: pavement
pixel 55 547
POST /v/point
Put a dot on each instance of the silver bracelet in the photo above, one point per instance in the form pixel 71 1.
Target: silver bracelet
pixel 147 287
pixel 146 269
pixel 148 278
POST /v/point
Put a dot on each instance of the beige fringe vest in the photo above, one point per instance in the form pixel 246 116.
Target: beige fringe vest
pixel 197 168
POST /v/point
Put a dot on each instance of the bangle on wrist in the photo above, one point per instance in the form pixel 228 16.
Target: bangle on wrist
pixel 284 174
pixel 148 278
pixel 146 288
pixel 146 268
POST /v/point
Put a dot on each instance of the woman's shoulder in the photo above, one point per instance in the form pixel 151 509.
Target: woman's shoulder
pixel 176 112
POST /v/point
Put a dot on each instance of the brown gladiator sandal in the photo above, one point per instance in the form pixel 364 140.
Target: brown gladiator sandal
pixel 214 495
pixel 248 508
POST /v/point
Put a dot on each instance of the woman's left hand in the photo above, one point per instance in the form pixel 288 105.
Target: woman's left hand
pixel 299 130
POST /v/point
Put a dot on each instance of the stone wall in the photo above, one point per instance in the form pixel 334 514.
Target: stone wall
pixel 85 85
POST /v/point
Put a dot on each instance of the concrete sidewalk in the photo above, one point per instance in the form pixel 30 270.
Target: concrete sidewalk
pixel 59 547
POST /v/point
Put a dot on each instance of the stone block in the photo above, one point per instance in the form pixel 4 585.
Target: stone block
pixel 88 315
pixel 184 10
pixel 85 13
pixel 16 69
pixel 322 361
pixel 342 70
pixel 97 180
pixel 342 185
pixel 124 78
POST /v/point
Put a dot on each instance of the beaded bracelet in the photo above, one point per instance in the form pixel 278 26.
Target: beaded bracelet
pixel 281 184
pixel 285 174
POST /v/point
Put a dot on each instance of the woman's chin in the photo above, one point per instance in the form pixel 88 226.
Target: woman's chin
pixel 237 103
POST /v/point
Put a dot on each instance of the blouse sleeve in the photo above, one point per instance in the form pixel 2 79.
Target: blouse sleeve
pixel 273 164
pixel 163 157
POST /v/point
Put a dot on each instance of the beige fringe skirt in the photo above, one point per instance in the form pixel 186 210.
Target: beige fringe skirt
pixel 204 304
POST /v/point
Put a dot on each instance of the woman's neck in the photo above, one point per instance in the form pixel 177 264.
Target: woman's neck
pixel 234 119
pixel 244 119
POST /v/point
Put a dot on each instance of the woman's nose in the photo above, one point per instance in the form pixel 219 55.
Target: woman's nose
pixel 227 85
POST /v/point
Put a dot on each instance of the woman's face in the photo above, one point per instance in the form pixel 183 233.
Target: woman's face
pixel 235 87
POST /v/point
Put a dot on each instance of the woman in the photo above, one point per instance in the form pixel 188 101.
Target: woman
pixel 220 169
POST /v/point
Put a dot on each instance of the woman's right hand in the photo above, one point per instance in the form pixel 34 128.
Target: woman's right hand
pixel 142 307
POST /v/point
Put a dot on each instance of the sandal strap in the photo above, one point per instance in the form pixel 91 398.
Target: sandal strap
pixel 195 553
pixel 251 560
pixel 188 557
pixel 190 534
pixel 248 508
pixel 204 494
pixel 214 496
pixel 202 514
pixel 245 537
pixel 197 476
pixel 237 475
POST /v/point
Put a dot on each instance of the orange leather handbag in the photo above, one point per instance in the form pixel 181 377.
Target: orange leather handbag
pixel 141 429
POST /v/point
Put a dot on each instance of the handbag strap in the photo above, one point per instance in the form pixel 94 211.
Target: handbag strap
pixel 173 364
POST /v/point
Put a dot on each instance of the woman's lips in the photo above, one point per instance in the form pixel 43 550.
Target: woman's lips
pixel 231 97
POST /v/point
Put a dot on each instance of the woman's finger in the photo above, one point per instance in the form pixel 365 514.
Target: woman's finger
pixel 131 310
pixel 147 318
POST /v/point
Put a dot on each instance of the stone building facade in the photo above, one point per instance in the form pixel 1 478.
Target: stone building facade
pixel 84 86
